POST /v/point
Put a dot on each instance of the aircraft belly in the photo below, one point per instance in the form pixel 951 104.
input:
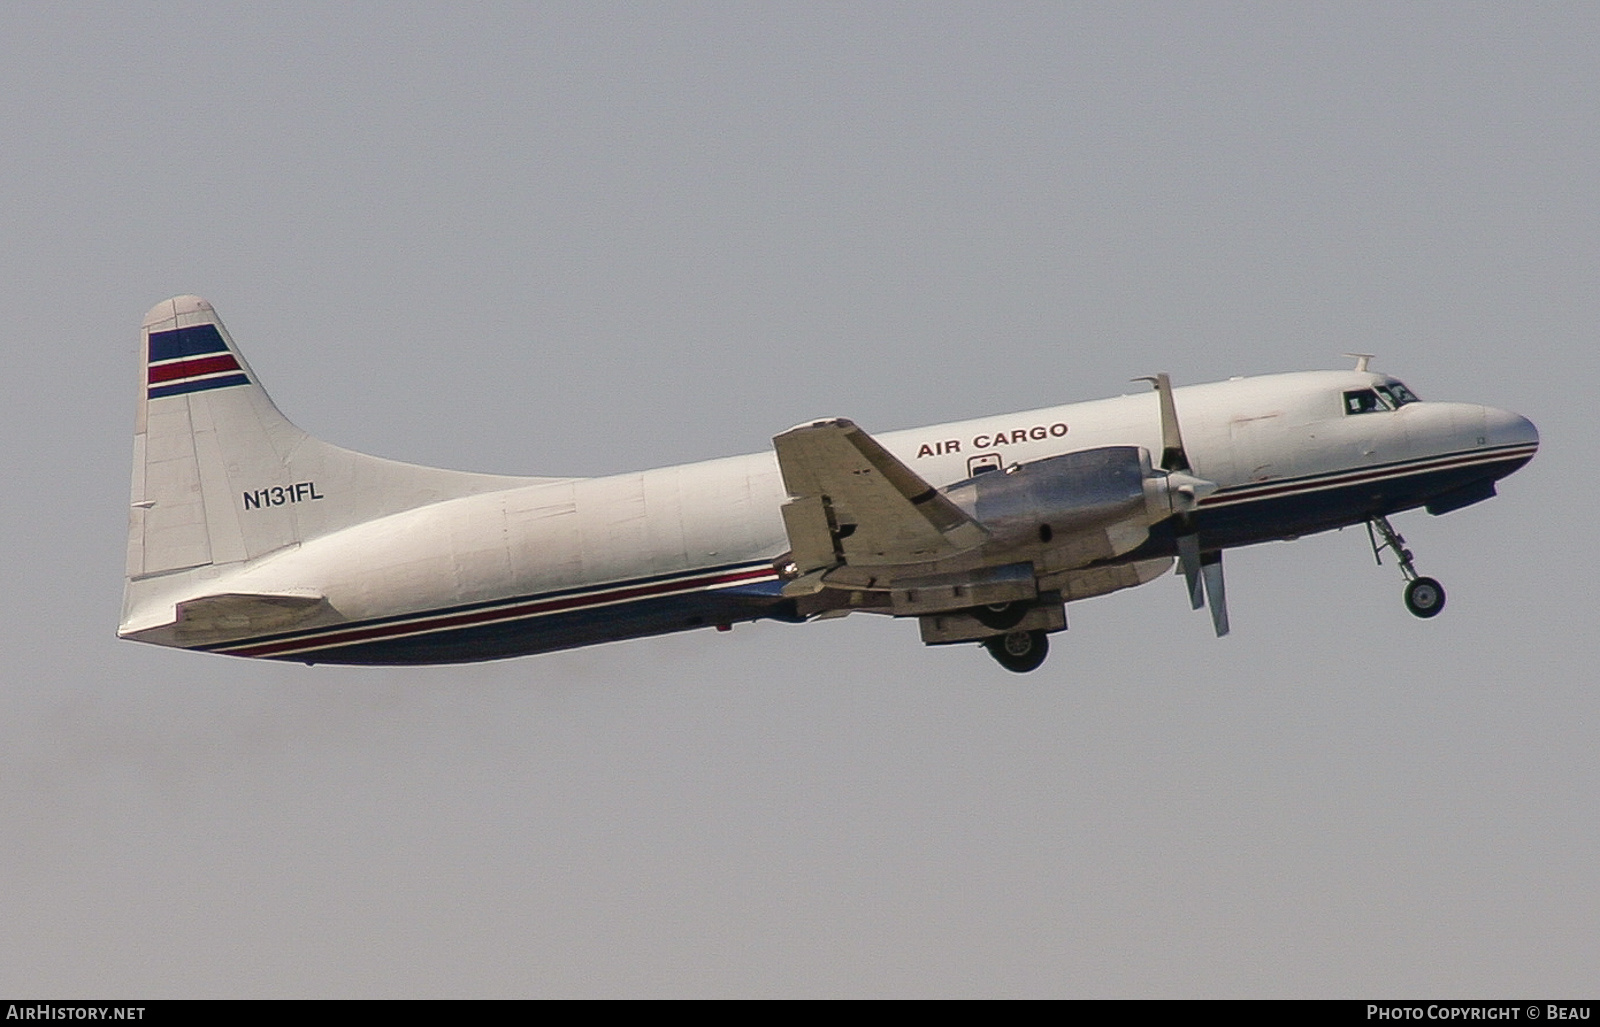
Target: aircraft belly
pixel 571 630
pixel 1270 511
pixel 534 623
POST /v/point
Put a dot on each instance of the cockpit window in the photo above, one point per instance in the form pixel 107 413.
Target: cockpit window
pixel 1397 394
pixel 1363 401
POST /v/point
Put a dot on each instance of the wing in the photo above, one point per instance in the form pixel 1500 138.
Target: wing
pixel 853 503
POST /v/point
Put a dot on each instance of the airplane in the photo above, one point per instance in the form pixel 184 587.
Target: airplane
pixel 248 537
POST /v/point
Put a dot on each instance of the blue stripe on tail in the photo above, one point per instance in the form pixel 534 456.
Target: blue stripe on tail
pixel 186 342
pixel 199 385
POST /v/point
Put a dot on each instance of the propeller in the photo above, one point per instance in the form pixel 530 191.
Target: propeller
pixel 1202 571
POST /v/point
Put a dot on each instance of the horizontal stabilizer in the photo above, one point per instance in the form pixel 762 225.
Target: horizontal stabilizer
pixel 239 615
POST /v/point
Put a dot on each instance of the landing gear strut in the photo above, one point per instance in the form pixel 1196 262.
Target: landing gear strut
pixel 1424 596
pixel 1019 651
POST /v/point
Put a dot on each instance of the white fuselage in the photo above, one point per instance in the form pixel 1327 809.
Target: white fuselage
pixel 489 561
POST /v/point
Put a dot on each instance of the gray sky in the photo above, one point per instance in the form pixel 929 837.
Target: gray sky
pixel 581 239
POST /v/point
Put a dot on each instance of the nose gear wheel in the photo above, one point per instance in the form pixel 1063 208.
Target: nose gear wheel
pixel 1424 596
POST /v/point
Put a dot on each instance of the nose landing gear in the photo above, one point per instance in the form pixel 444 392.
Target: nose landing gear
pixel 1424 596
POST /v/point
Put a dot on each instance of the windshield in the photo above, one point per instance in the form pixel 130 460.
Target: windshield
pixel 1388 396
pixel 1397 394
pixel 1363 401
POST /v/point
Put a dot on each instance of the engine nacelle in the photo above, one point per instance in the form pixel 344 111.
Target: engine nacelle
pixel 1090 505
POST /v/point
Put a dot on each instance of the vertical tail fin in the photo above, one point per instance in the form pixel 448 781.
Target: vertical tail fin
pixel 204 427
pixel 221 477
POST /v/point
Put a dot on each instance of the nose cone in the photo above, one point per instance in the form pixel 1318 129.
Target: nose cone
pixel 1504 428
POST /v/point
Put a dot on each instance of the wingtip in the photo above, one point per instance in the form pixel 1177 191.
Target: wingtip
pixel 826 422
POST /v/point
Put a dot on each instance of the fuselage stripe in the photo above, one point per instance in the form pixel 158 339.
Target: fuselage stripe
pixel 1340 479
pixel 427 624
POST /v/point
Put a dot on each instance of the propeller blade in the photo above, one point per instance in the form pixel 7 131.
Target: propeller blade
pixel 1203 574
pixel 1216 592
pixel 1189 563
pixel 1173 456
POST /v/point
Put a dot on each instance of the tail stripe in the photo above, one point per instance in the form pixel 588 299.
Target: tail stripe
pixel 198 385
pixel 192 368
pixel 193 341
pixel 191 359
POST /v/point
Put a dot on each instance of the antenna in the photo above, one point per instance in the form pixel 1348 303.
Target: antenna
pixel 1361 359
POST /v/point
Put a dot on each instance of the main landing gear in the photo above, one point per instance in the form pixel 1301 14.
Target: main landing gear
pixel 1019 651
pixel 1016 634
pixel 1001 616
pixel 1424 596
